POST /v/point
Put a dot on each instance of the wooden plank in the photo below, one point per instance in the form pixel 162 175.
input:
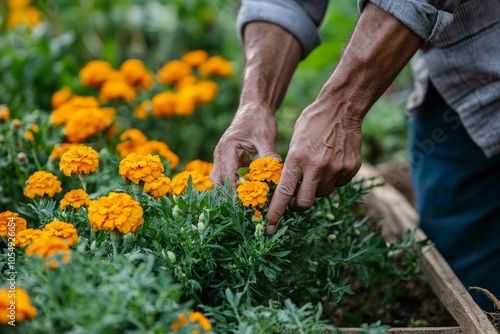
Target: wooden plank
pixel 443 281
pixel 417 330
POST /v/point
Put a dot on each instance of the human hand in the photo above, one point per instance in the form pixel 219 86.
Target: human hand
pixel 325 152
pixel 252 130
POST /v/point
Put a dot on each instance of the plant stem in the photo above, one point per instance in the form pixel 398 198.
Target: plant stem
pixel 116 239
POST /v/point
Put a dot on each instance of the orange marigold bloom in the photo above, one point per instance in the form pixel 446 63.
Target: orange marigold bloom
pixel 49 247
pixel 87 123
pixel 179 182
pixel 204 167
pixel 116 90
pixel 24 309
pixel 143 109
pixel 63 230
pixel 141 167
pixel 173 71
pixel 265 169
pixel 216 65
pixel 207 90
pixel 185 105
pixel 42 183
pixel 132 139
pixel 161 148
pixel 163 104
pixel 159 187
pixel 61 97
pixel 9 220
pixel 27 236
pixel 79 159
pixel 27 16
pixel 116 211
pixel 4 112
pixel 76 104
pixel 59 149
pixel 95 73
pixel 195 57
pixel 253 193
pixel 75 198
pixel 137 74
pixel 189 80
pixel 257 216
pixel 200 318
pixel 79 101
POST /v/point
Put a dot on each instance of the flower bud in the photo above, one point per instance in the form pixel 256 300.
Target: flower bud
pixel 93 246
pixel 175 212
pixel 331 237
pixel 16 123
pixel 21 156
pixel 330 216
pixel 171 256
pixel 201 226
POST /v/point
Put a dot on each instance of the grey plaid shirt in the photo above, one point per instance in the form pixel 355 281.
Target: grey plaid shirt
pixel 461 54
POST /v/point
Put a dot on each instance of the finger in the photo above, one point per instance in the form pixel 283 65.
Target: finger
pixel 305 194
pixel 283 194
pixel 269 151
pixel 327 186
pixel 225 168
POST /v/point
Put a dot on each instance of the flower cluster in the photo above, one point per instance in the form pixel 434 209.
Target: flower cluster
pixel 48 248
pixel 42 183
pixel 23 308
pixel 200 181
pixel 62 230
pixel 6 219
pixel 21 13
pixel 193 318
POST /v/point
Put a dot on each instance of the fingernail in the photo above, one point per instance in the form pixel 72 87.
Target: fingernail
pixel 270 229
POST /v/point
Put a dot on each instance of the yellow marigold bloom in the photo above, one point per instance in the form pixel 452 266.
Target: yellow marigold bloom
pixel 143 109
pixel 132 139
pixel 18 3
pixel 206 90
pixel 42 183
pixel 179 182
pixel 216 65
pixel 95 73
pixel 79 159
pixel 204 167
pixel 195 57
pixel 27 236
pixel 84 124
pixel 59 149
pixel 136 74
pixel 75 198
pixel 173 71
pixel 141 167
pixel 159 187
pixel 116 90
pixel 161 148
pixel 265 169
pixel 4 112
pixel 61 97
pixel 253 193
pixel 8 220
pixel 164 104
pixel 63 230
pixel 23 307
pixel 33 129
pixel 116 211
pixel 187 81
pixel 26 16
pixel 46 248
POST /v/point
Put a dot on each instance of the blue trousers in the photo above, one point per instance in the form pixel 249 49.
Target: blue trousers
pixel 457 192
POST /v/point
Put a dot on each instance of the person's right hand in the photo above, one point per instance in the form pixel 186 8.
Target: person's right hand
pixel 252 130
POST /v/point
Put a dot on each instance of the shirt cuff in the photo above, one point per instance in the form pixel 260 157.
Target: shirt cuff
pixel 287 14
pixel 421 17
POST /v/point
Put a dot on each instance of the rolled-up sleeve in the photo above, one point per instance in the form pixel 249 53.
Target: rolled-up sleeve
pixel 427 18
pixel 299 17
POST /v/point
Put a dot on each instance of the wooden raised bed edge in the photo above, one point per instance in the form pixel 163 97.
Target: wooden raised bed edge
pixel 442 280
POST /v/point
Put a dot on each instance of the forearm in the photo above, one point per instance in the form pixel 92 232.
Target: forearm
pixel 271 57
pixel 378 50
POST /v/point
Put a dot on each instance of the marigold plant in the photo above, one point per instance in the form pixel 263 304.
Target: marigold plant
pixel 163 104
pixel 23 308
pixel 131 141
pixel 7 218
pixel 61 97
pixel 59 149
pixel 116 90
pixel 161 148
pixel 159 187
pixel 75 198
pixel 27 236
pixel 86 123
pixel 253 193
pixel 136 74
pixel 216 65
pixel 265 169
pixel 141 167
pixel 95 73
pixel 116 211
pixel 192 318
pixel 173 71
pixel 195 57
pixel 41 184
pixel 204 167
pixel 200 181
pixel 47 248
pixel 79 159
pixel 63 230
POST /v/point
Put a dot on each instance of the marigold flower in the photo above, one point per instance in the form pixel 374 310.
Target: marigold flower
pixel 42 183
pixel 187 81
pixel 159 187
pixel 216 65
pixel 179 182
pixel 75 198
pixel 141 167
pixel 76 104
pixel 163 104
pixel 265 169
pixel 161 148
pixel 27 236
pixel 79 101
pixel 26 16
pixel 49 247
pixel 136 74
pixel 131 139
pixel 4 112
pixel 185 105
pixel 173 71
pixel 95 73
pixel 253 193
pixel 30 133
pixel 116 90
pixel 59 149
pixel 116 211
pixel 257 216
pixel 193 318
pixel 207 90
pixel 204 167
pixel 61 97
pixel 79 159
pixel 143 109
pixel 9 217
pixel 24 309
pixel 195 57
pixel 84 124
pixel 63 230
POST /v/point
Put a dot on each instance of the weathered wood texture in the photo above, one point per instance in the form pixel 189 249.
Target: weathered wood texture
pixel 443 281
